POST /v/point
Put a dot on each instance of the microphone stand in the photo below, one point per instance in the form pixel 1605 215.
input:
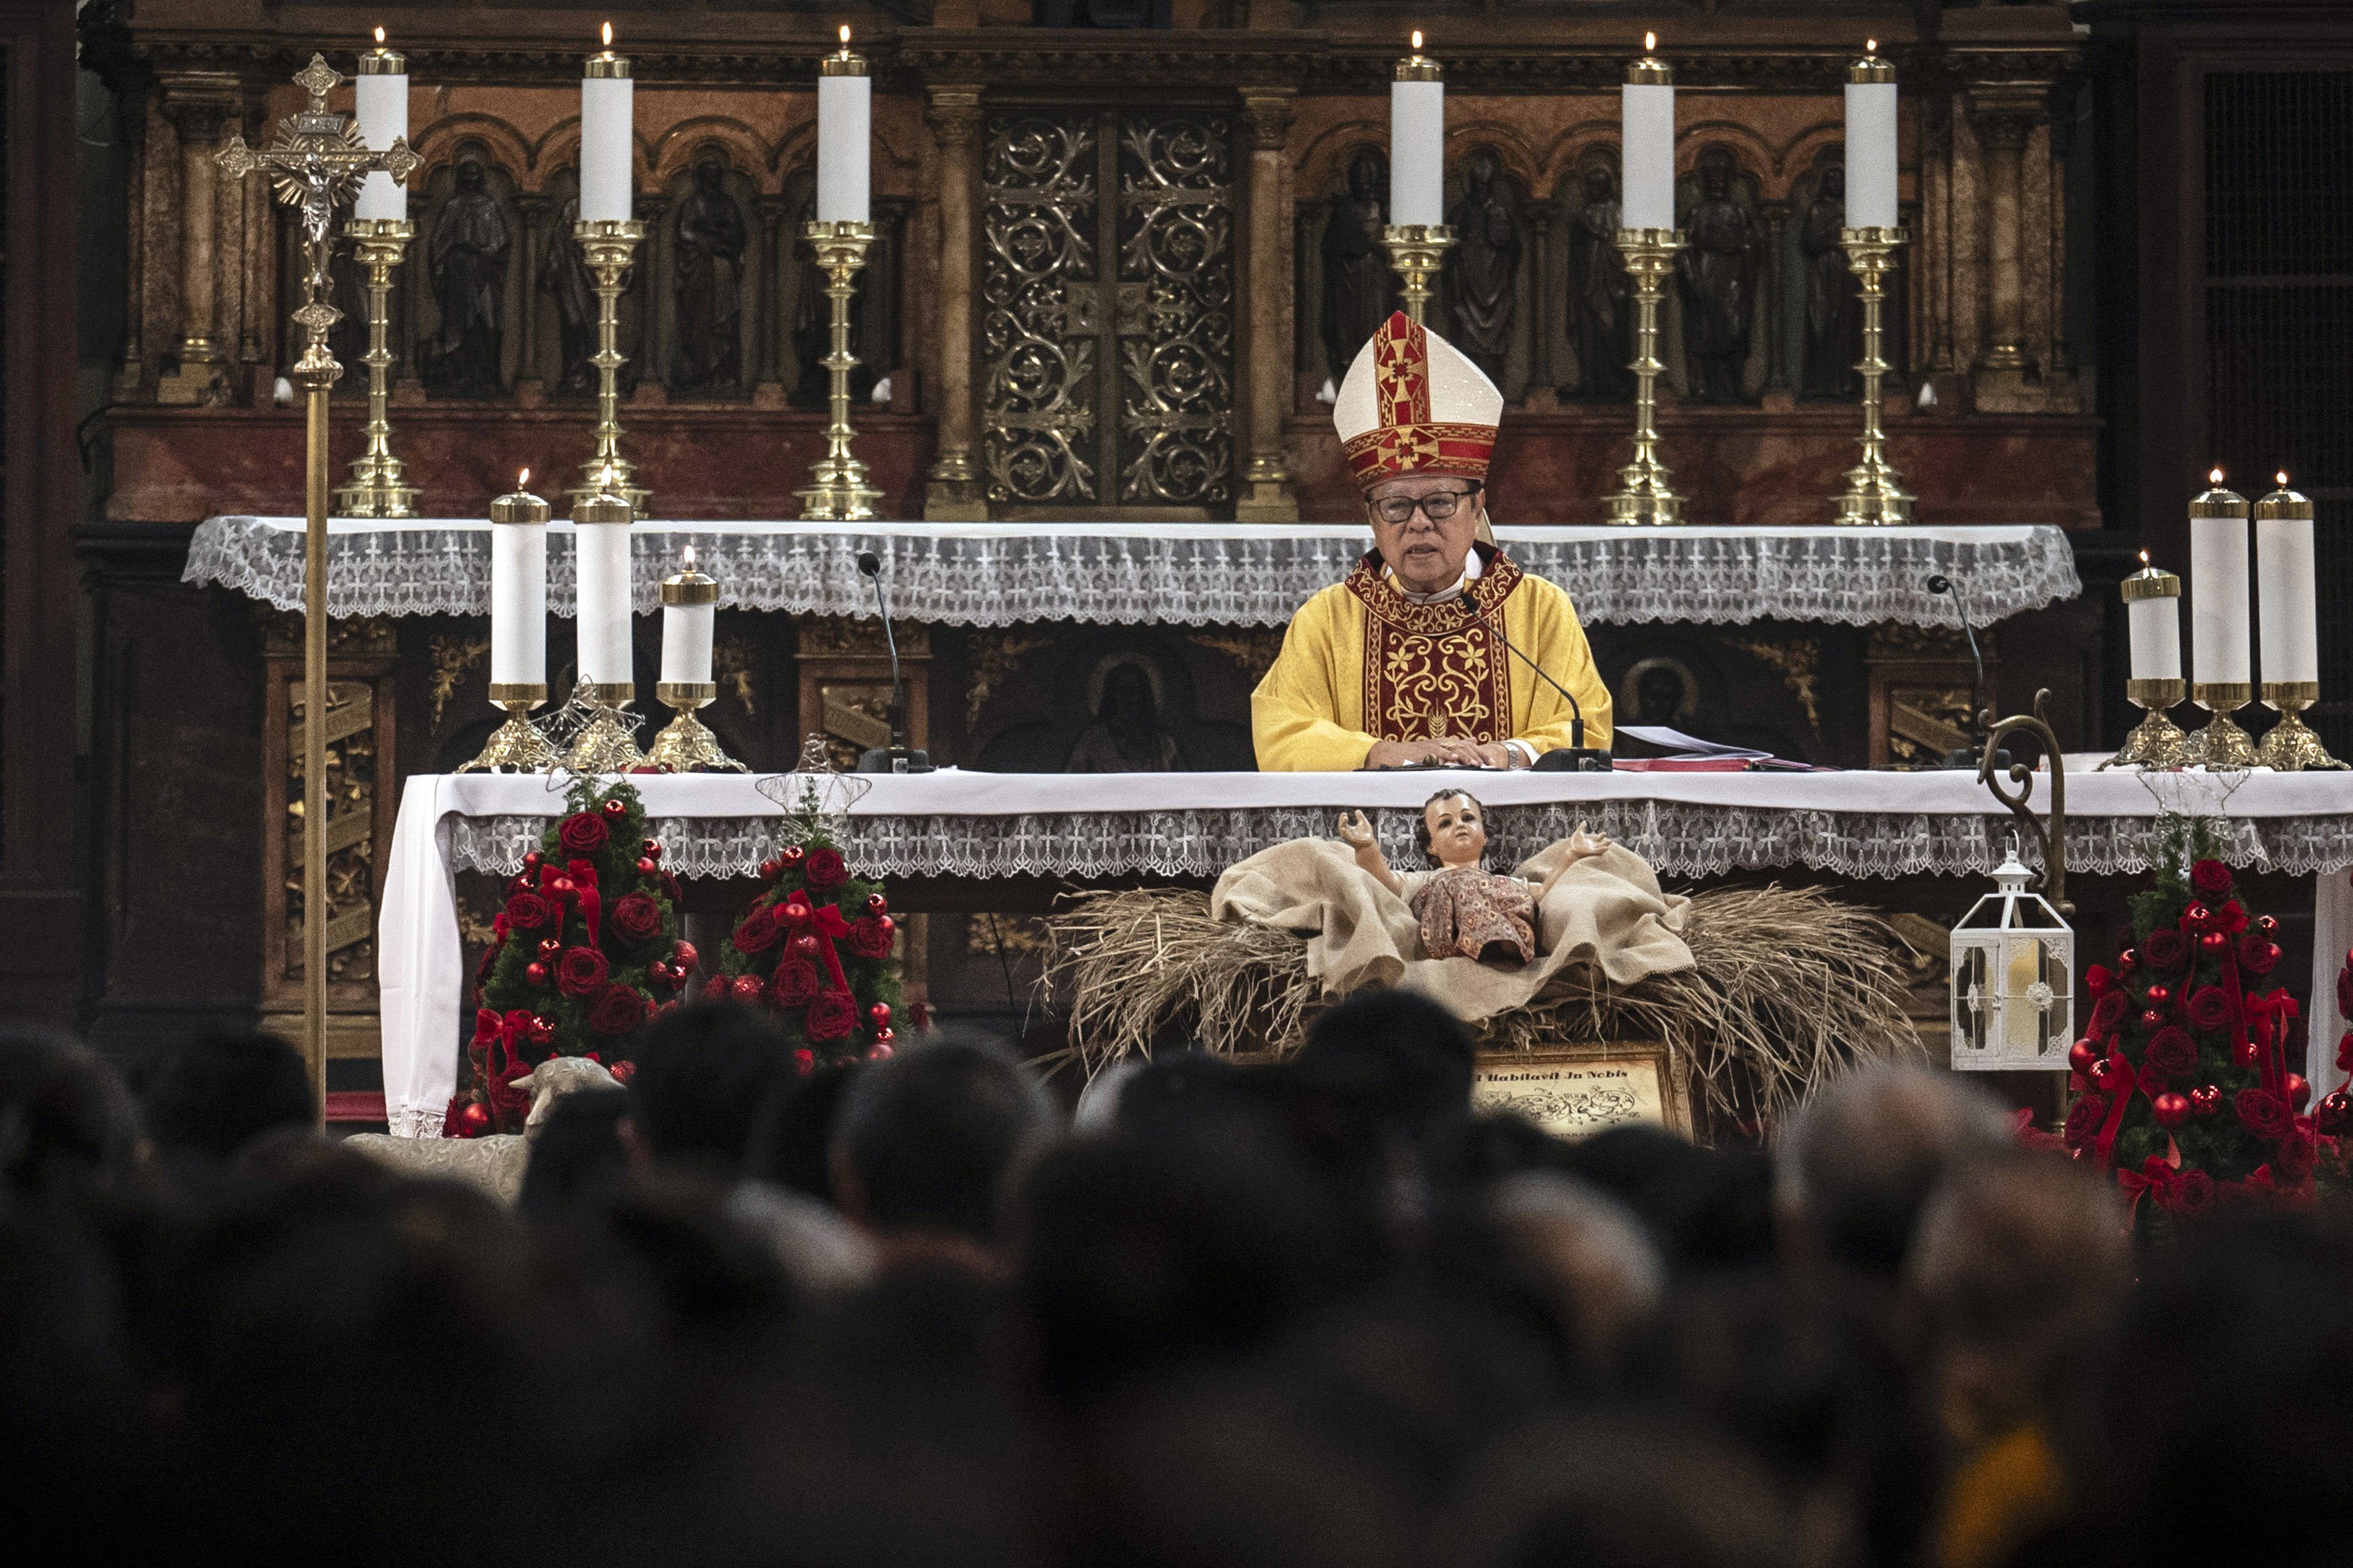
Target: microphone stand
pixel 897 757
pixel 1574 757
pixel 1980 705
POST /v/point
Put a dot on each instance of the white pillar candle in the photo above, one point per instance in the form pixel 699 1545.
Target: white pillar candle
pixel 607 137
pixel 381 90
pixel 600 544
pixel 2289 622
pixel 1417 141
pixel 1870 141
pixel 518 587
pixel 2218 587
pixel 844 137
pixel 2153 611
pixel 689 606
pixel 1647 172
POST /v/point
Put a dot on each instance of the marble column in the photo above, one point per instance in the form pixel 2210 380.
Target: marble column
pixel 954 494
pixel 130 379
pixel 1266 495
pixel 2004 120
pixel 199 105
pixel 537 212
pixel 768 387
pixel 1544 303
pixel 251 201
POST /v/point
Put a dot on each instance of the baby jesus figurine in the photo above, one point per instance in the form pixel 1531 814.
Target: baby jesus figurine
pixel 1464 908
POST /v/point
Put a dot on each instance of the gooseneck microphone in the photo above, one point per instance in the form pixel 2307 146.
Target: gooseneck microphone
pixel 1574 757
pixel 1964 756
pixel 895 758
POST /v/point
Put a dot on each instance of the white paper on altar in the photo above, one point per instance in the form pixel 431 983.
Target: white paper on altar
pixel 1206 573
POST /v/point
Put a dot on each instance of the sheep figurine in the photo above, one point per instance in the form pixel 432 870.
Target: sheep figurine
pixel 493 1162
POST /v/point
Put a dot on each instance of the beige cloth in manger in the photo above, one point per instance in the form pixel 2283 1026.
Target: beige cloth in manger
pixel 1606 911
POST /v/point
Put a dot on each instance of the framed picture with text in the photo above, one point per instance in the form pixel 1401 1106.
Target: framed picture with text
pixel 1577 1093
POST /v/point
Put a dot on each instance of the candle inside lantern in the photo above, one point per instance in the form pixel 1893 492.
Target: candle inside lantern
pixel 2218 586
pixel 1647 107
pixel 2153 610
pixel 1870 141
pixel 845 136
pixel 381 94
pixel 608 131
pixel 2290 624
pixel 600 543
pixel 518 587
pixel 689 606
pixel 1417 141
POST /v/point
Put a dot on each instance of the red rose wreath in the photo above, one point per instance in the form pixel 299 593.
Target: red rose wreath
pixel 2187 1093
pixel 586 950
pixel 816 949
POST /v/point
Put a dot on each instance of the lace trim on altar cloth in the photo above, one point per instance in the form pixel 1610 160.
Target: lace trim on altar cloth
pixel 1678 840
pixel 418 1120
pixel 1134 574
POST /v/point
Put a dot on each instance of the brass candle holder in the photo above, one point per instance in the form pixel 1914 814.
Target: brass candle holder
pixel 1644 497
pixel 1874 490
pixel 608 245
pixel 2156 742
pixel 1417 251
pixel 839 490
pixel 686 745
pixel 378 486
pixel 2221 744
pixel 2291 746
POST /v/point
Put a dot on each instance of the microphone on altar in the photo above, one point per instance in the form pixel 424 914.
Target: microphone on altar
pixel 895 758
pixel 1574 758
pixel 1979 700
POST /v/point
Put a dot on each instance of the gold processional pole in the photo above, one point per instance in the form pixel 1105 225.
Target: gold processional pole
pixel 316 165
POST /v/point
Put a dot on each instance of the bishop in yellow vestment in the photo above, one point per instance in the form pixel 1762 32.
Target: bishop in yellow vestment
pixel 1400 663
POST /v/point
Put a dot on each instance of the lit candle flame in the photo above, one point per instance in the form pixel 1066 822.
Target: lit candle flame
pixel 845 37
pixel 690 557
pixel 1871 46
pixel 2143 560
pixel 1650 42
pixel 379 38
pixel 522 480
pixel 608 35
pixel 2214 477
pixel 2280 478
pixel 1416 42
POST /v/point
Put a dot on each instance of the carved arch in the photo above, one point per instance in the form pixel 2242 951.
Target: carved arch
pixel 436 146
pixel 677 148
pixel 1324 163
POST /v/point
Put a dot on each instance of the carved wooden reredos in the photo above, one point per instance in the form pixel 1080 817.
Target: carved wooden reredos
pixel 722 321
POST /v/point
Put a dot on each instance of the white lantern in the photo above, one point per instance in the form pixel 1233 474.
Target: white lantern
pixel 2014 979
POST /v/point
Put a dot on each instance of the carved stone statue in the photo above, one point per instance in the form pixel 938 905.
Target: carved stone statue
pixel 1359 288
pixel 710 282
pixel 1484 265
pixel 467 264
pixel 564 273
pixel 1128 735
pixel 1834 297
pixel 1600 309
pixel 1717 270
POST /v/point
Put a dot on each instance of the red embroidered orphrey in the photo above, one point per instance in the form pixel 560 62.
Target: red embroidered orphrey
pixel 1408 440
pixel 1429 669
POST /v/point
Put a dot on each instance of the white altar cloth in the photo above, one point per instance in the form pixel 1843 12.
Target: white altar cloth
pixel 1207 573
pixel 1057 825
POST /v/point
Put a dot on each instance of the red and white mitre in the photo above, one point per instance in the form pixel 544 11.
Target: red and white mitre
pixel 1413 404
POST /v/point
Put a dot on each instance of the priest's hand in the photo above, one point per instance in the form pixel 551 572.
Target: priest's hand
pixel 1437 750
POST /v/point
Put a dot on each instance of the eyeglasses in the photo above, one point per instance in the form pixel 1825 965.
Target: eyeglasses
pixel 1437 506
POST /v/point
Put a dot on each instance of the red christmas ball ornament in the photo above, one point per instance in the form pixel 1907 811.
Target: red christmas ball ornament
pixel 2246 1053
pixel 2206 1101
pixel 550 948
pixel 562 887
pixel 792 855
pixel 2127 960
pixel 879 1051
pixel 2080 1057
pixel 877 905
pixel 2152 1017
pixel 2197 915
pixel 806 944
pixel 2213 940
pixel 541 1030
pixel 533 860
pixel 650 848
pixel 2266 924
pixel 617 808
pixel 2158 995
pixel 2336 1114
pixel 657 972
pixel 473 1120
pixel 887 924
pixel 2112 1075
pixel 683 958
pixel 535 973
pixel 645 866
pixel 771 868
pixel 2172 1110
pixel 2299 1089
pixel 878 1014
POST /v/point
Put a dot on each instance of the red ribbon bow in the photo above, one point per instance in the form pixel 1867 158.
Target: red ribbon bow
pixel 2155 1179
pixel 583 887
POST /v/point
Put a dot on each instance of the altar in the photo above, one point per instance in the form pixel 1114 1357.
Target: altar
pixel 920 831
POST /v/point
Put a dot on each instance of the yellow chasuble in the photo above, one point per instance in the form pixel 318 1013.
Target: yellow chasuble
pixel 1363 663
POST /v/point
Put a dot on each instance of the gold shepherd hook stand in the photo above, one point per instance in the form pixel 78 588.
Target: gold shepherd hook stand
pixel 2052 839
pixel 1874 490
pixel 839 490
pixel 608 245
pixel 1644 495
pixel 316 165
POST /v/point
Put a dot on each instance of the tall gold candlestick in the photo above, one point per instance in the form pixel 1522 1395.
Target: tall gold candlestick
pixel 1874 490
pixel 378 487
pixel 1645 496
pixel 837 490
pixel 607 246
